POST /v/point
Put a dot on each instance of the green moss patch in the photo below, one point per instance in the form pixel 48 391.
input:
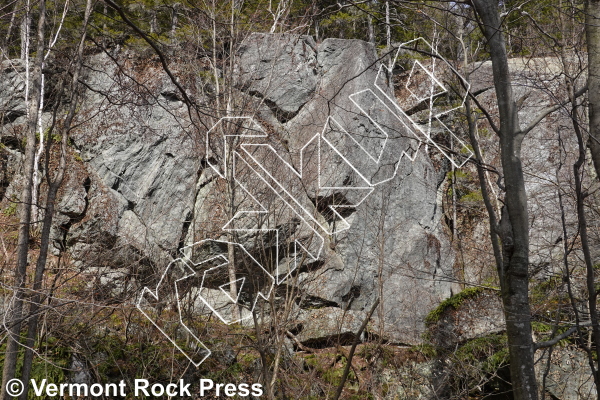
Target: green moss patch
pixel 453 302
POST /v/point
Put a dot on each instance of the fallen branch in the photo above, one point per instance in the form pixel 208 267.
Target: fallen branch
pixel 298 343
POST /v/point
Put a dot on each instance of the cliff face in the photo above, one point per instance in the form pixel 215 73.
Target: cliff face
pixel 361 221
pixel 331 201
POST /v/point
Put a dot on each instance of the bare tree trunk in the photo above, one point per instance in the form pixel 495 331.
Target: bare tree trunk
pixel 153 21
pixel 388 33
pixel 10 27
pixel 14 329
pixel 174 19
pixel 231 267
pixel 481 173
pixel 514 224
pixel 592 30
pixel 25 23
pixel 583 233
pixel 370 28
pixel 53 187
pixel 35 209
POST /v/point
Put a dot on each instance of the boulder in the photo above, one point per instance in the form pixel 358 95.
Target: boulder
pixel 567 376
pixel 12 97
pixel 470 314
pixel 328 326
pixel 141 185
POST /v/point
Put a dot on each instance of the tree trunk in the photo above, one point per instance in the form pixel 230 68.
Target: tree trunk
pixel 388 33
pixel 236 312
pixel 174 19
pixel 14 329
pixel 25 23
pixel 10 27
pixel 592 30
pixel 585 246
pixel 53 187
pixel 514 224
pixel 371 30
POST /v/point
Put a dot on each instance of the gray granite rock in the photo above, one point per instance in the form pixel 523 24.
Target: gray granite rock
pixel 288 86
pixel 329 326
pixel 568 374
pixel 140 187
pixel 12 95
pixel 394 247
pixel 478 315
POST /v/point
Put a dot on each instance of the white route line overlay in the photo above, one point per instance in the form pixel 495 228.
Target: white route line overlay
pixel 187 274
pixel 422 134
pixel 261 294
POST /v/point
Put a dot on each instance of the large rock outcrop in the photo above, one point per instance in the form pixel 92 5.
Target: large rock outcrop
pixel 142 184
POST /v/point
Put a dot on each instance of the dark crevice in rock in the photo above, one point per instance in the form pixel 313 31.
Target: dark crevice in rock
pixel 305 267
pixel 348 298
pixel 281 115
pixel 185 229
pixel 309 267
pixel 201 252
pixel 87 184
pixel 3 186
pixel 277 239
pixel 206 163
pixel 160 140
pixel 267 257
pixel 77 146
pixel 170 96
pixel 323 205
pixel 313 302
pixel 116 184
pixel 12 143
pixel 343 339
pixel 11 116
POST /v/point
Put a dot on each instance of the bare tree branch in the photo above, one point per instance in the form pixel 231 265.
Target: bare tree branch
pixel 549 110
pixel 558 338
